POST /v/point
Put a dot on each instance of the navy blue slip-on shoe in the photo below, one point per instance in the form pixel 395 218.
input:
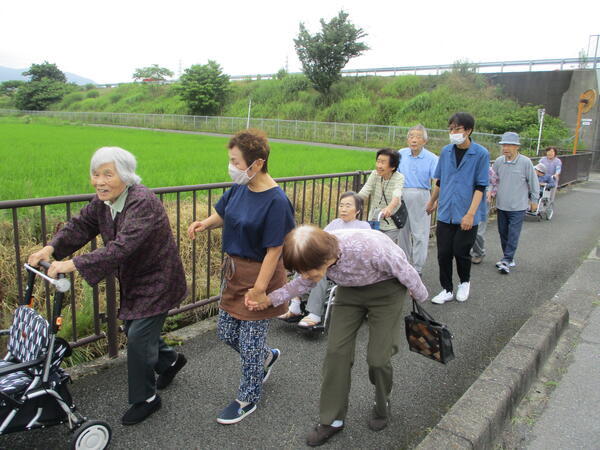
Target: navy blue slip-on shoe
pixel 235 413
pixel 276 354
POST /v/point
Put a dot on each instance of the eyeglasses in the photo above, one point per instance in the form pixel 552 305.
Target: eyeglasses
pixel 459 129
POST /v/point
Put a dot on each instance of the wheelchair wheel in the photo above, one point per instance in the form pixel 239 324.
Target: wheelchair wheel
pixel 91 435
pixel 549 212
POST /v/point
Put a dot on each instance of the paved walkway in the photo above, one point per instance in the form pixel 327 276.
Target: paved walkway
pixel 549 254
pixel 572 418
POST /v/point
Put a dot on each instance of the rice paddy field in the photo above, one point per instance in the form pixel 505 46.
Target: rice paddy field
pixel 41 158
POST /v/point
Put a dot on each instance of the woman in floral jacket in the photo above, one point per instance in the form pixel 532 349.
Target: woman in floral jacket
pixel 139 248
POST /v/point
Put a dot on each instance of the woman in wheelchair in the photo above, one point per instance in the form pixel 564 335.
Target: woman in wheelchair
pixel 544 179
pixel 373 277
pixel 349 208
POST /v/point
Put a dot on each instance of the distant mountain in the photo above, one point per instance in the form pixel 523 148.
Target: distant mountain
pixel 7 73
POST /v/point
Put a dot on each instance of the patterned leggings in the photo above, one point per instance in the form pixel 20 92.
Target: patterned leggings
pixel 248 338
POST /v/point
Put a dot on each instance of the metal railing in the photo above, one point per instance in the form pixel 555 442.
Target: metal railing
pixel 26 224
pixel 430 69
pixel 363 135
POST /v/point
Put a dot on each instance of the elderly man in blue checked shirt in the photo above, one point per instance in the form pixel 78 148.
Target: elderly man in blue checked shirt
pixel 462 174
pixel 417 164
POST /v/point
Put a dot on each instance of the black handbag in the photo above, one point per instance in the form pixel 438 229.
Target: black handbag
pixel 401 215
pixel 428 337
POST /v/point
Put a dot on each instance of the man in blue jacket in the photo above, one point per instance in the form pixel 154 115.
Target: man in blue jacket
pixel 462 174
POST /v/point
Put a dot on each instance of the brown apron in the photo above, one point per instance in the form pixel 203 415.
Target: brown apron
pixel 239 275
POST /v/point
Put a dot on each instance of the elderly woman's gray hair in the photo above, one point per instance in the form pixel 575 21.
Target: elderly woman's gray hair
pixel 420 128
pixel 125 163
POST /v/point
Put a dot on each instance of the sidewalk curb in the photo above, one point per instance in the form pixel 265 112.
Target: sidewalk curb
pixel 477 419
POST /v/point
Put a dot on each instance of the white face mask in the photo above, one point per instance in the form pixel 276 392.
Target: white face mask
pixel 457 138
pixel 239 176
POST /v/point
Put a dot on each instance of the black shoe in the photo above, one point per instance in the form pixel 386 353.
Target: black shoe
pixel 321 434
pixel 377 422
pixel 140 411
pixel 164 379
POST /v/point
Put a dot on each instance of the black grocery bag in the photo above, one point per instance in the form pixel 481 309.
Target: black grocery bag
pixel 428 337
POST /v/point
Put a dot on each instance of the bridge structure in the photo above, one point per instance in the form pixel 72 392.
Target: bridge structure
pixel 435 69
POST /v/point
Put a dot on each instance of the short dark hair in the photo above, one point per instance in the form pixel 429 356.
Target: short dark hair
pixel 307 247
pixel 552 148
pixel 463 119
pixel 393 154
pixel 358 201
pixel 253 144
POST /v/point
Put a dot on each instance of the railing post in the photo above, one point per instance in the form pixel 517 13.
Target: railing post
pixel 356 180
pixel 111 317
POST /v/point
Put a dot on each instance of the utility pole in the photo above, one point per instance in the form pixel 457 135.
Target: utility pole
pixel 596 51
pixel 541 113
pixel 249 108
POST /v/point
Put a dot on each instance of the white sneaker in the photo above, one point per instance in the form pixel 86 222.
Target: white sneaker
pixel 462 294
pixel 442 297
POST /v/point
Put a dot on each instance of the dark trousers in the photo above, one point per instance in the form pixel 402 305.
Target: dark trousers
pixel 383 303
pixel 147 354
pixel 509 227
pixel 454 243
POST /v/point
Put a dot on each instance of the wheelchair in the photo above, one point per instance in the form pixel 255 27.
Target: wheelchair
pixel 33 387
pixel 545 208
pixel 322 326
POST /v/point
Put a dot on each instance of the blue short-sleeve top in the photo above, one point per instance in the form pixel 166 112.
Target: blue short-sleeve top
pixel 254 221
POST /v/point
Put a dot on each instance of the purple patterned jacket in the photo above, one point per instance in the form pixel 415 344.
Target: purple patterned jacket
pixel 138 246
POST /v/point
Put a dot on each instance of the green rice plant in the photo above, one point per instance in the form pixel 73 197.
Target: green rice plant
pixel 57 157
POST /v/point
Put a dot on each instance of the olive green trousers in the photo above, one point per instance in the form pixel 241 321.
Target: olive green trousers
pixel 382 302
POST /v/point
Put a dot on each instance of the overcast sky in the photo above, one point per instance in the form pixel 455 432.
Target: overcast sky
pixel 107 40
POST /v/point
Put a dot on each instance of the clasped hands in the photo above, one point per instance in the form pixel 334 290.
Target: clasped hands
pixel 256 300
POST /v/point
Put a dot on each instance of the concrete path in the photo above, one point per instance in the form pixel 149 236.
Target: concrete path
pixel 572 417
pixel 549 253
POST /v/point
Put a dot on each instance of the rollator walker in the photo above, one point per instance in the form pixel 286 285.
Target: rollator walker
pixel 33 387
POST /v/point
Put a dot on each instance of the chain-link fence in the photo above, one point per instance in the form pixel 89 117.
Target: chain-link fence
pixel 353 134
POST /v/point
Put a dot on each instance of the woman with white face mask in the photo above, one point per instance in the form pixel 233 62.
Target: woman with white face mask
pixel 255 215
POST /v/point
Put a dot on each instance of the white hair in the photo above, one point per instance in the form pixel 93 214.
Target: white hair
pixel 125 163
pixel 302 235
pixel 420 128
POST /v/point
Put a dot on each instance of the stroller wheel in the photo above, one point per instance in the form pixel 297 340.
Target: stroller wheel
pixel 92 434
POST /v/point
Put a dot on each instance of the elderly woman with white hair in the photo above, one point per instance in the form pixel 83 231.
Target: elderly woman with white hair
pixel 139 248
pixel 373 278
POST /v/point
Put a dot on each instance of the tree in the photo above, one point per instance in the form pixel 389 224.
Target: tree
pixel 325 54
pixel 153 72
pixel 48 85
pixel 204 88
pixel 38 72
pixel 10 87
pixel 38 95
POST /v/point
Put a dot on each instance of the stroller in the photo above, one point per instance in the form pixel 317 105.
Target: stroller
pixel 545 209
pixel 33 387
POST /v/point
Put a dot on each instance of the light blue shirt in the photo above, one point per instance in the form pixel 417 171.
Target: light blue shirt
pixel 417 170
pixel 457 184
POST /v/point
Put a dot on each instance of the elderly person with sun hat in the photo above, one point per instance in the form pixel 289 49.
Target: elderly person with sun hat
pixel 139 248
